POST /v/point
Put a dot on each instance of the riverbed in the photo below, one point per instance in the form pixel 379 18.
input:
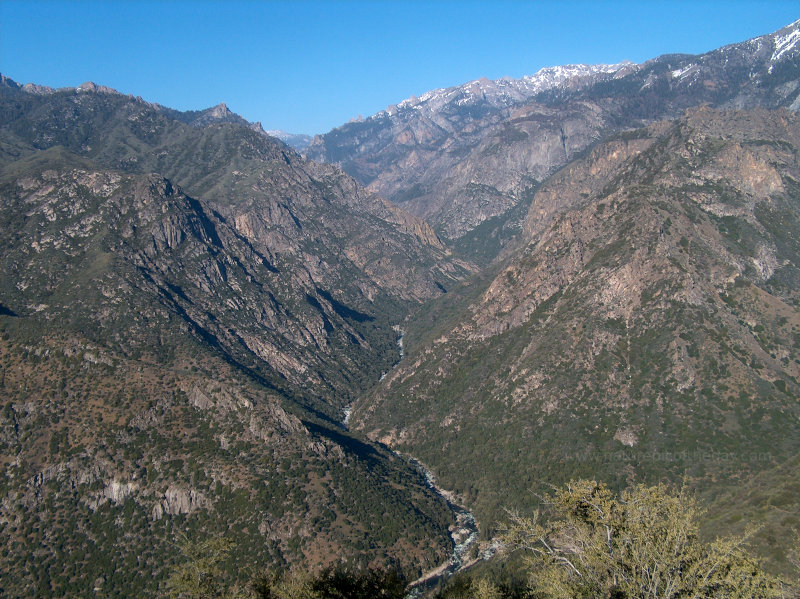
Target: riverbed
pixel 464 533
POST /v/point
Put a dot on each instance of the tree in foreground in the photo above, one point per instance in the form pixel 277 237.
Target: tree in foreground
pixel 200 575
pixel 332 583
pixel 586 542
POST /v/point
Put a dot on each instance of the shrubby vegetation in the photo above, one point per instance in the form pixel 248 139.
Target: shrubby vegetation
pixel 583 542
pixel 203 576
pixel 532 373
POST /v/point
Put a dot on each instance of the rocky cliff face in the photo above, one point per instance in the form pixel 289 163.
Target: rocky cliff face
pixel 647 330
pixel 452 155
pixel 175 362
pixel 462 156
pixel 320 241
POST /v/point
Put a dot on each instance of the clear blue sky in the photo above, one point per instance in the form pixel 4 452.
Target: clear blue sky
pixel 309 66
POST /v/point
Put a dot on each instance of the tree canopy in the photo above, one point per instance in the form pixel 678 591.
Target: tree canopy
pixel 586 542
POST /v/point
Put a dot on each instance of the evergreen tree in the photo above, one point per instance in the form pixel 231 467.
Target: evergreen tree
pixel 586 542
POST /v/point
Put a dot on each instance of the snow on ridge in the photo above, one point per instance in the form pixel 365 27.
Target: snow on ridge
pixel 781 41
pixel 784 43
pixel 281 134
pixel 506 91
pixel 679 73
pixel 550 77
pixel 570 71
pixel 503 91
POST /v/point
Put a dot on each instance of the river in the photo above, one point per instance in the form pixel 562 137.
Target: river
pixel 464 533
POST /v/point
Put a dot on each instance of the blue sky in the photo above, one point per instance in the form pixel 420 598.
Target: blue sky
pixel 309 66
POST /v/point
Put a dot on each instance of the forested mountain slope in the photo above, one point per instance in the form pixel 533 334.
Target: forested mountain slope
pixel 647 330
pixel 176 363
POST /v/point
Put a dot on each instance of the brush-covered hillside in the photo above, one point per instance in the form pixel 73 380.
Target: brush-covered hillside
pixel 648 330
pixel 186 308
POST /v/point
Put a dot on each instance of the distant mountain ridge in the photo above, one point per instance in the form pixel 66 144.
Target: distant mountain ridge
pixel 215 114
pixel 470 156
pixel 298 141
pixel 506 92
pixel 198 118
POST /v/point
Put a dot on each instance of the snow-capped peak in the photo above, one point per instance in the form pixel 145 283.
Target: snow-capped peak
pixel 550 77
pixel 505 91
pixel 787 41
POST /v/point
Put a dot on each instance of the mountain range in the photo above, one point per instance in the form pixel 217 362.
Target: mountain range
pixel 180 357
pixel 590 271
pixel 469 158
pixel 645 332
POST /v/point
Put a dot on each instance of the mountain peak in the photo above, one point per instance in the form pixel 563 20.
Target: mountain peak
pixel 570 74
pixel 8 82
pixel 507 91
pixel 220 110
pixel 91 86
pixel 298 141
pixel 785 40
pixel 30 88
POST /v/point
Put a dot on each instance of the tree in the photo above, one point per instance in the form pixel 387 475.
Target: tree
pixel 372 583
pixel 332 583
pixel 299 585
pixel 201 576
pixel 586 542
pixel 483 588
pixel 794 559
